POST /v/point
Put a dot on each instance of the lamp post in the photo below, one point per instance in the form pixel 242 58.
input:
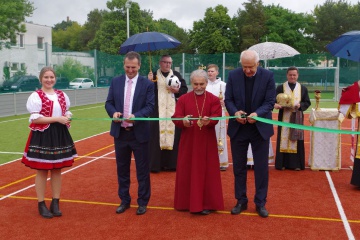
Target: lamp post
pixel 127 5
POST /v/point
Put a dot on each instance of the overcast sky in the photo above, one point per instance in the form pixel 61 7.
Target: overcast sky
pixel 182 12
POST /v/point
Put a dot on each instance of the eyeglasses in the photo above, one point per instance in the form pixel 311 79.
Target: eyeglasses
pixel 166 62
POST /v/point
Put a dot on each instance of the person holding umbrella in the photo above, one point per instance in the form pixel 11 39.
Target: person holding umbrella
pixel 163 145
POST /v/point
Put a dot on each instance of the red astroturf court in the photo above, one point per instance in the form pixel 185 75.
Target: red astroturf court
pixel 302 204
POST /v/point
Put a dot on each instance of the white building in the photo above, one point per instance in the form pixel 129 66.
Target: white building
pixel 30 53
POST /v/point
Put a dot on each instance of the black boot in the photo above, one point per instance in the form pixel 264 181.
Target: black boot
pixel 54 207
pixel 43 210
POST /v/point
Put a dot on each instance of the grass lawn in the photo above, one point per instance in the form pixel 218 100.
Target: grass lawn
pixel 14 130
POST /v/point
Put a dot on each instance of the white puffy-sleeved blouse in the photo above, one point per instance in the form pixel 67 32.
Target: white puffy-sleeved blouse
pixel 34 105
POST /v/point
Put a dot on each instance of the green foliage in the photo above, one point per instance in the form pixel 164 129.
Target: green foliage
pixel 214 33
pixel 6 71
pixel 20 72
pixel 285 26
pixel 14 130
pixel 63 25
pixel 113 29
pixel 12 16
pixel 169 27
pixel 69 38
pixel 73 69
pixel 251 23
pixel 334 18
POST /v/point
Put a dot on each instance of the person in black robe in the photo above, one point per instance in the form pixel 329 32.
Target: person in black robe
pixel 164 159
pixel 296 159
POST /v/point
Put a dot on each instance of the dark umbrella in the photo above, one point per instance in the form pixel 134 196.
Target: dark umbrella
pixel 148 41
pixel 346 46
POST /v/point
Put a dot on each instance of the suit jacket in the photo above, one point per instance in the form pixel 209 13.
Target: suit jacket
pixel 263 99
pixel 143 105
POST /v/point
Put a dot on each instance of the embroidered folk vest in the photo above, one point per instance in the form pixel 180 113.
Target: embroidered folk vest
pixel 47 107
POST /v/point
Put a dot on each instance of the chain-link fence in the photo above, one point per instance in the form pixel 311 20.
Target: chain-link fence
pixel 320 71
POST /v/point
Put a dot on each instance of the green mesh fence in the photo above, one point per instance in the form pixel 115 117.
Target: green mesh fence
pixel 316 70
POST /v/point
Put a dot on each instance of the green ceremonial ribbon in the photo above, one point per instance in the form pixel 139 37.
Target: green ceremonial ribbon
pixel 264 120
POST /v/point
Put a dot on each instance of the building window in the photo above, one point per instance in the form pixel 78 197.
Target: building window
pixel 13 43
pixel 14 66
pixel 21 40
pixel 40 66
pixel 22 67
pixel 40 43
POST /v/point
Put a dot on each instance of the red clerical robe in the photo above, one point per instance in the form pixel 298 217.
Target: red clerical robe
pixel 198 180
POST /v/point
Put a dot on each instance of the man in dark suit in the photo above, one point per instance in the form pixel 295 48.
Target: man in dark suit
pixel 250 91
pixel 131 96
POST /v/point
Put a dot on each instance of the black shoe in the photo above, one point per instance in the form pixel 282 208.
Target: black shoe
pixel 222 168
pixel 238 208
pixel 205 212
pixel 262 212
pixel 43 210
pixel 141 210
pixel 54 208
pixel 122 208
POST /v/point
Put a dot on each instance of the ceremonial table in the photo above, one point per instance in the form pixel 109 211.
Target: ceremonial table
pixel 325 148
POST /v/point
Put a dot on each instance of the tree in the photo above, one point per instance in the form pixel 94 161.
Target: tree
pixel 69 38
pixel 92 25
pixel 12 16
pixel 333 19
pixel 214 33
pixel 73 69
pixel 251 23
pixel 113 29
pixel 285 26
pixel 169 27
pixel 63 25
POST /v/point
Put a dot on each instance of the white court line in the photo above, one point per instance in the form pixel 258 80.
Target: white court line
pixel 340 208
pixel 81 165
pixel 75 142
pixel 18 119
pixel 13 120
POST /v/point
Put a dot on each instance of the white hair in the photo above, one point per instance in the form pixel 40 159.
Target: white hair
pixel 249 54
pixel 199 73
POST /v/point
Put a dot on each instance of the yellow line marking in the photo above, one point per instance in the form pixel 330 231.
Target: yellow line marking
pixel 78 158
pixel 172 209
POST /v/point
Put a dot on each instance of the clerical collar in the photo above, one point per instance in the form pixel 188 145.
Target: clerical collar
pixel 292 85
pixel 165 74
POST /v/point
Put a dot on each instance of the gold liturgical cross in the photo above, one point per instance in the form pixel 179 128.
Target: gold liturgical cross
pixel 199 123
pixel 202 67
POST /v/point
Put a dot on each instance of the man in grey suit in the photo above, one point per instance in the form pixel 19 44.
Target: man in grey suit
pixel 250 91
pixel 131 96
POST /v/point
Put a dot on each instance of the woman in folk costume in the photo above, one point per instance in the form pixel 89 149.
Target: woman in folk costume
pixel 49 146
pixel 290 149
pixel 165 137
pixel 217 87
pixel 349 105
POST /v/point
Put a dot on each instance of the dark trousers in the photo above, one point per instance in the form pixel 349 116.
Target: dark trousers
pixel 124 146
pixel 260 147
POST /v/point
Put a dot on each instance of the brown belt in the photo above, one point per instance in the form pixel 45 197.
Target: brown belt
pixel 127 128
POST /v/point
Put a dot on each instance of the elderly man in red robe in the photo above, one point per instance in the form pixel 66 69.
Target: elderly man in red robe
pixel 198 181
pixel 349 105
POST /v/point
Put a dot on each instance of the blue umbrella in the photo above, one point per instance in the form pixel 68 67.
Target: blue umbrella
pixel 346 46
pixel 148 41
